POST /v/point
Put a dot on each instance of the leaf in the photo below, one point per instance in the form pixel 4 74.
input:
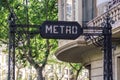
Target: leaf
pixel 33 13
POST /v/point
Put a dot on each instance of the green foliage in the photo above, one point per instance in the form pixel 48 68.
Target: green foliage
pixel 38 46
pixel 3 23
pixel 32 12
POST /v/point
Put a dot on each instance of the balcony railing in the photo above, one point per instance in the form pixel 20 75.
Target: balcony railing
pixel 114 12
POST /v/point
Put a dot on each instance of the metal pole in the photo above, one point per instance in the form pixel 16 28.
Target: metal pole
pixel 11 60
pixel 10 46
pixel 13 54
pixel 107 33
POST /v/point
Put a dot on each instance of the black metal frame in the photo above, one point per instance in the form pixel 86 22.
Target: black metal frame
pixel 107 46
pixel 12 42
pixel 106 33
pixel 11 60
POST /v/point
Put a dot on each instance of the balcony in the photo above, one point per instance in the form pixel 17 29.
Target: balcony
pixel 80 50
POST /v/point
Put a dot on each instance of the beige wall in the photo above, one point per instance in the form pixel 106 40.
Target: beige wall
pixel 93 57
pixel 97 70
pixel 76 14
pixel 116 63
pixel 76 10
pixel 96 62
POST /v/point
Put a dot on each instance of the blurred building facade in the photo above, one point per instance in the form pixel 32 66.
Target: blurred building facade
pixel 50 72
pixel 22 73
pixel 80 50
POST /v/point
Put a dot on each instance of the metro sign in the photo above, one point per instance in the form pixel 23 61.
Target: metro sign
pixel 60 30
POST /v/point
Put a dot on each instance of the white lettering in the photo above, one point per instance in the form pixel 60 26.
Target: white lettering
pixel 61 29
pixel 54 29
pixel 74 30
pixel 48 29
pixel 68 29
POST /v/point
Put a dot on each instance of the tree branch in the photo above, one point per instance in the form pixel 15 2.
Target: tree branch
pixel 72 66
pixel 3 41
pixel 47 53
pixel 32 62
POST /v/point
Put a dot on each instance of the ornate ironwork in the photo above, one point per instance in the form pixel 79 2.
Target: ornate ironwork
pixel 106 39
pixel 11 62
pixel 104 31
pixel 15 33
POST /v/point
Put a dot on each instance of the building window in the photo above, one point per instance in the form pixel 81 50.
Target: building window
pixel 62 10
pixel 69 10
pixel 101 7
pixel 76 10
pixel 118 68
pixel 88 67
pixel 66 71
pixel 113 2
pixel 88 10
